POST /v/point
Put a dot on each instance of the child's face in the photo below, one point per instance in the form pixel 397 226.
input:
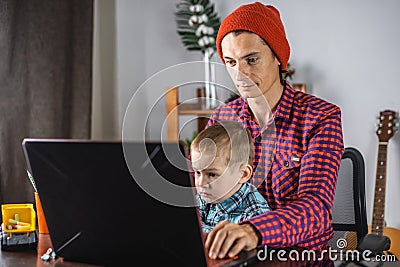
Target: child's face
pixel 213 179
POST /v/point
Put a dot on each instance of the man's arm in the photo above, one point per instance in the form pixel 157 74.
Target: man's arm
pixel 228 239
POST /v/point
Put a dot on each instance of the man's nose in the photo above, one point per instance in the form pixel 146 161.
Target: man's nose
pixel 242 72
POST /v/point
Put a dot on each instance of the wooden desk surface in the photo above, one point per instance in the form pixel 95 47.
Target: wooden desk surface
pixel 32 258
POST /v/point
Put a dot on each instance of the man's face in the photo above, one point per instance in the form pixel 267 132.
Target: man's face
pixel 251 64
pixel 213 179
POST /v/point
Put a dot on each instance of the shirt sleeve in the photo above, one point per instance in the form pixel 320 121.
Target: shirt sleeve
pixel 214 117
pixel 305 219
pixel 223 112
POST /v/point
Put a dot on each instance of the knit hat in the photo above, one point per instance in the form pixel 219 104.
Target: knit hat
pixel 263 20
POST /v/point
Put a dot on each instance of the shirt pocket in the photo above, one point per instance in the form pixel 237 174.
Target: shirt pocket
pixel 285 174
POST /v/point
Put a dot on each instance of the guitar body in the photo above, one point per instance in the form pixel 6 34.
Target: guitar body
pixel 394 235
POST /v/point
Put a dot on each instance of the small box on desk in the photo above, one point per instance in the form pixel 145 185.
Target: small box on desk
pixel 18 228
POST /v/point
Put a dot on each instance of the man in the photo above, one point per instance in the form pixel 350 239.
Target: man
pixel 298 179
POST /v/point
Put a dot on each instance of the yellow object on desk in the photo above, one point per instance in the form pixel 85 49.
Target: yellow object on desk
pixel 22 218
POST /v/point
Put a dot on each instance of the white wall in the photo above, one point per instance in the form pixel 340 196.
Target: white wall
pixel 346 52
pixel 104 113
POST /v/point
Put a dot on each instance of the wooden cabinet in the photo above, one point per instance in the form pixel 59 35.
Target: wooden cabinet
pixel 176 109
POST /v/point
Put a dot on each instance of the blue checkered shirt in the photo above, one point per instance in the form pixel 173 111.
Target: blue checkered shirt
pixel 245 203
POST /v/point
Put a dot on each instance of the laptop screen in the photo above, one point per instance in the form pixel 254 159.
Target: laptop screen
pixel 107 202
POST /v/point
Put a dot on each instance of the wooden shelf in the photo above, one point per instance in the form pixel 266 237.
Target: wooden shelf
pixel 176 109
pixel 193 109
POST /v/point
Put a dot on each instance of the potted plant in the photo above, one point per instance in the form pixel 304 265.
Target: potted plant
pixel 197 25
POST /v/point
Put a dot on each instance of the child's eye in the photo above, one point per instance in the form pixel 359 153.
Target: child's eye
pixel 197 172
pixel 211 174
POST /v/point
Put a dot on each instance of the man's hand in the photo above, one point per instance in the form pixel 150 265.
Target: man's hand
pixel 228 239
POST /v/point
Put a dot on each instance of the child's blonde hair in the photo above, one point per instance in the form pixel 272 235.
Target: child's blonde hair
pixel 231 140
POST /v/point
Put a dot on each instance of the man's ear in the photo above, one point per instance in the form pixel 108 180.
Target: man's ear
pixel 247 171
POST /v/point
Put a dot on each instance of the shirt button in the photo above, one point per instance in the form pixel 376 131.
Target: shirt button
pixel 286 163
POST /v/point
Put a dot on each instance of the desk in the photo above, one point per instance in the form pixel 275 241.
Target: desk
pixel 32 259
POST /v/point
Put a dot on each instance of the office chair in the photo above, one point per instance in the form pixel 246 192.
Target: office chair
pixel 349 217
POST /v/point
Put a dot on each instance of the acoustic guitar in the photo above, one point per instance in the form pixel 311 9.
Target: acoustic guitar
pixel 387 127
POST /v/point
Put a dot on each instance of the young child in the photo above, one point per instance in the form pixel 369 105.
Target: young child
pixel 222 157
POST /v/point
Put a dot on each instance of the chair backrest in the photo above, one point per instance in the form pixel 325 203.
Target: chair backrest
pixel 349 218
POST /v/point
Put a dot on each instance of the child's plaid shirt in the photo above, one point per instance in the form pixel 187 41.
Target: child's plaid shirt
pixel 243 204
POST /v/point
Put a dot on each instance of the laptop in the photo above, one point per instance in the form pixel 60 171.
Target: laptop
pixel 112 202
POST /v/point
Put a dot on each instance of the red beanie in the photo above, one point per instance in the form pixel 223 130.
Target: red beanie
pixel 263 20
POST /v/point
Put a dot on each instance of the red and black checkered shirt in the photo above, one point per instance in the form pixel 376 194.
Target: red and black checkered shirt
pixel 297 159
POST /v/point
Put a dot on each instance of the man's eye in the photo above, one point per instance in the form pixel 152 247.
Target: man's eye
pixel 252 60
pixel 229 62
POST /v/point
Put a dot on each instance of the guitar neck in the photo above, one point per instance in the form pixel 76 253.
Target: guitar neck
pixel 378 217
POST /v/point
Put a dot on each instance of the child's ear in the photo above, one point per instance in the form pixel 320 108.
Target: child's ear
pixel 247 171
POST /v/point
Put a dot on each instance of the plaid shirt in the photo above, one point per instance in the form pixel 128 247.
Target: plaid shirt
pixel 244 204
pixel 296 167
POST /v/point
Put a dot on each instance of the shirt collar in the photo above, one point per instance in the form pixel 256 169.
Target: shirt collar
pixel 285 104
pixel 244 113
pixel 232 203
pixel 282 110
pixel 229 204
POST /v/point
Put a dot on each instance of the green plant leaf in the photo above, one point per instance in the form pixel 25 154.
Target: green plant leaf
pixel 187 32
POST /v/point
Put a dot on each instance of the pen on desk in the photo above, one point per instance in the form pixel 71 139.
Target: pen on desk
pixel 32 180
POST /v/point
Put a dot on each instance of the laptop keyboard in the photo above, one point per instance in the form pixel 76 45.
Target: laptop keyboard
pixel 220 262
